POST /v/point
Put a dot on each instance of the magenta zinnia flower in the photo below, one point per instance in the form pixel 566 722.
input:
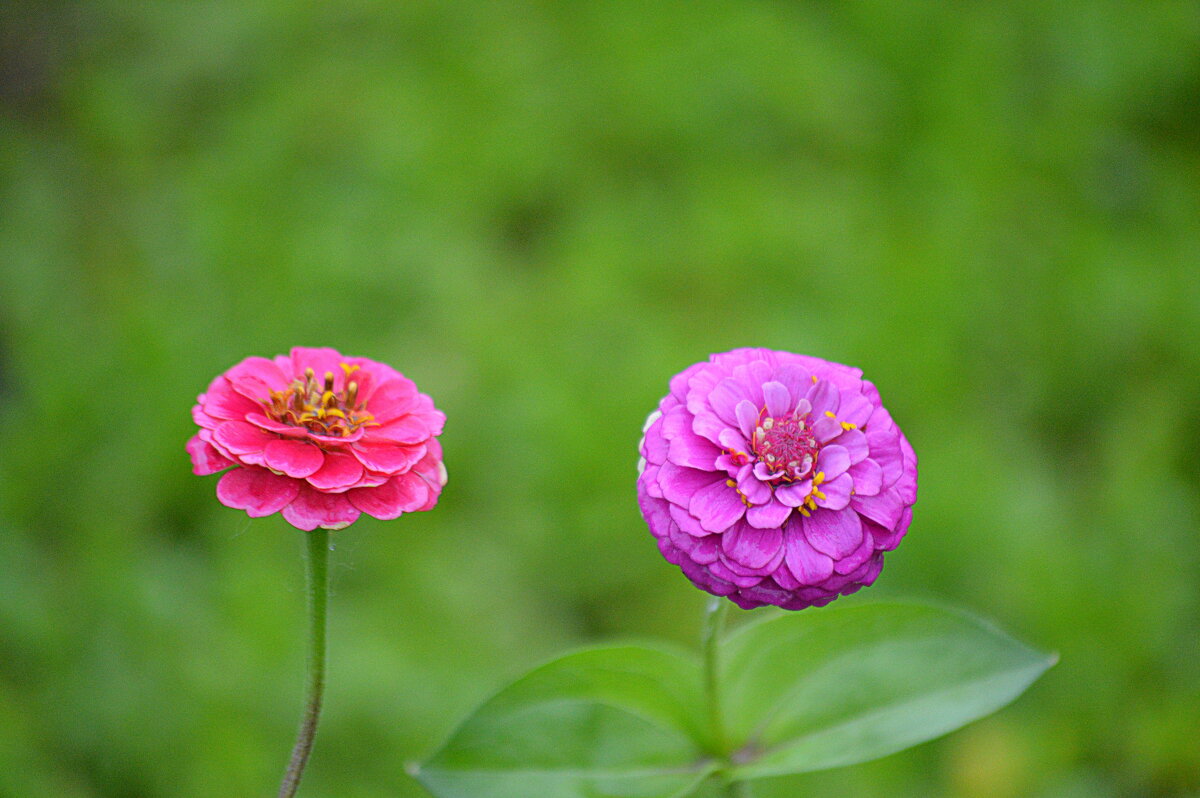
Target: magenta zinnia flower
pixel 319 437
pixel 775 478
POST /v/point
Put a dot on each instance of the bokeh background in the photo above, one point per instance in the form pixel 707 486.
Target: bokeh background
pixel 540 212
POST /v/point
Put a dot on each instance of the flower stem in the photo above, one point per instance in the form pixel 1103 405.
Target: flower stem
pixel 714 623
pixel 318 595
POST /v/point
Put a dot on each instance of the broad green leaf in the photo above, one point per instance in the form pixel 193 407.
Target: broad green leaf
pixel 843 685
pixel 623 722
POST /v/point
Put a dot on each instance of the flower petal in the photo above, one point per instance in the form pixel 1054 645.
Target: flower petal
pixel 747 417
pixel 206 459
pixel 689 449
pixel 387 458
pixel 724 400
pixel 768 516
pixel 680 484
pixel 867 476
pixel 754 489
pixel 794 494
pixel 825 429
pixel 753 548
pixel 339 472
pixel 833 462
pixel 778 400
pixel 833 533
pixel 405 429
pixel 717 506
pixel 855 442
pixel 855 409
pixel 837 492
pixel 256 490
pixel 405 493
pixel 294 458
pixel 824 397
pixel 807 565
pixel 884 509
pixel 311 509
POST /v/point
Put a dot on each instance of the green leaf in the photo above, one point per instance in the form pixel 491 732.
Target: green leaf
pixel 622 722
pixel 837 686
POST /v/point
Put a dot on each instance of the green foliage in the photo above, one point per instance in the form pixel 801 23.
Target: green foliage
pixel 804 692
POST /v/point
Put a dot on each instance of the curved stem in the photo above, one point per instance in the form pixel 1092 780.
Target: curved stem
pixel 714 621
pixel 318 595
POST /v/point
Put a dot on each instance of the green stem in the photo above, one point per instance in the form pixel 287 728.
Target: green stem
pixel 714 623
pixel 318 598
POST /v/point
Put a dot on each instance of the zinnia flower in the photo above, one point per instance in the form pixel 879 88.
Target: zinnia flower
pixel 319 437
pixel 775 478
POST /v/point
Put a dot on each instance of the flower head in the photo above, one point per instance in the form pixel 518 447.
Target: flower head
pixel 319 437
pixel 775 478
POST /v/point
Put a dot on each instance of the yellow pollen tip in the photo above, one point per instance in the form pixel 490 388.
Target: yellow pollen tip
pixel 846 425
pixel 830 414
pixel 309 373
pixel 348 369
pixel 814 379
pixel 803 512
pixel 818 494
pixel 731 483
pixel 335 412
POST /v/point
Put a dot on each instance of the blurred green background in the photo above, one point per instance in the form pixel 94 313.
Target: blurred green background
pixel 540 212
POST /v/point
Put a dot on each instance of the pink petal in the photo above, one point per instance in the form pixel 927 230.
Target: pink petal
pixel 808 566
pixel 754 489
pixel 867 476
pixel 686 522
pixel 768 516
pixel 206 459
pixel 837 493
pixel 833 533
pixel 256 490
pixel 753 548
pixel 794 494
pixel 706 425
pixel 855 409
pixel 732 440
pixel 406 429
pixel 833 461
pixel 747 417
pixel 717 506
pixel 223 402
pixel 654 445
pixel 392 399
pixel 294 458
pixel 386 458
pixel 278 427
pixel 885 450
pixel 778 400
pixel 320 360
pixel 339 472
pixel 797 380
pixel 402 494
pixel 242 439
pixel 311 509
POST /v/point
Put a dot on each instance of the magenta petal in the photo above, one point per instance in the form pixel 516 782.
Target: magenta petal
pixel 825 429
pixel 319 359
pixel 885 450
pixel 387 458
pixel 706 425
pixel 278 427
pixel 402 494
pixel 778 400
pixel 837 493
pixel 833 533
pixel 732 440
pixel 755 490
pixel 311 509
pixel 794 494
pixel 256 490
pixel 717 506
pixel 689 449
pixel 680 484
pixel 206 459
pixel 855 409
pixel 294 458
pixel 867 476
pixel 823 397
pixel 752 548
pixel 747 417
pixel 769 515
pixel 809 566
pixel 686 521
pixel 854 442
pixel 724 400
pixel 884 509
pixel 223 402
pixel 406 429
pixel 339 472
pixel 833 461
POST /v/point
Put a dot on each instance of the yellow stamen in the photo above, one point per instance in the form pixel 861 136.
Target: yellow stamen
pixel 803 512
pixel 846 425
pixel 814 379
pixel 731 483
pixel 830 414
pixel 818 478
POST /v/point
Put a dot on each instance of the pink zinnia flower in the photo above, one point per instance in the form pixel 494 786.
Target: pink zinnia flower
pixel 319 437
pixel 775 478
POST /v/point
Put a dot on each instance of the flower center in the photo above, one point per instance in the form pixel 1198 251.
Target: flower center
pixel 787 446
pixel 317 407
